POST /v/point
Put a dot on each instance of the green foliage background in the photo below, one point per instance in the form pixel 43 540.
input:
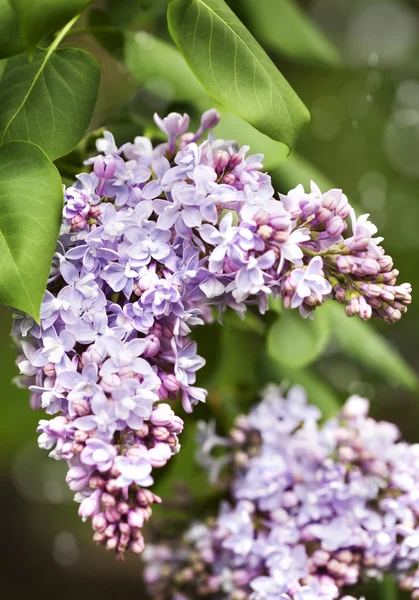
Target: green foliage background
pixel 364 137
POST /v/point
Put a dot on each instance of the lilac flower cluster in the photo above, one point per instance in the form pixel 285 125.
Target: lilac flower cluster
pixel 314 509
pixel 151 238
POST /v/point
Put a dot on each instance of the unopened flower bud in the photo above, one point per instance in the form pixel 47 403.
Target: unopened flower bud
pixel 108 500
pixel 221 160
pixel 95 212
pixel 152 346
pixel 105 167
pixel 210 119
pixel 229 179
pixel 235 160
pixel 49 370
pixel 81 408
pixel 137 547
pixel 78 222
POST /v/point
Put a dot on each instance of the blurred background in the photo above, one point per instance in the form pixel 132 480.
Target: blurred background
pixel 358 74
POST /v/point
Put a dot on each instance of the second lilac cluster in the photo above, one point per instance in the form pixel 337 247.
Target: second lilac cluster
pixel 314 509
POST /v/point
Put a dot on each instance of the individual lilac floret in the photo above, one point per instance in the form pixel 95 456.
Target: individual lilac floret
pixel 314 509
pixel 155 241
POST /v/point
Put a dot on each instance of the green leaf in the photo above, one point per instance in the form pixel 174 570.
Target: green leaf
pixel 387 588
pixel 295 342
pixel 360 340
pixel 37 18
pixel 31 199
pixel 283 26
pixel 49 99
pixel 155 64
pixel 235 69
pixel 10 39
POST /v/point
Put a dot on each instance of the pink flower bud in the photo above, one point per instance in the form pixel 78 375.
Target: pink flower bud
pixel 77 478
pixel 108 500
pixel 235 160
pixel 229 179
pixel 161 433
pixel 261 217
pixel 137 547
pixel 281 220
pixel 320 558
pixel 145 497
pixel 265 232
pixel 122 508
pixel 124 528
pixel 335 226
pixel 162 415
pixel 95 212
pixel 78 222
pixel 386 263
pixel 111 543
pixel 343 209
pixel 171 383
pixel 136 518
pixel 323 214
pixel 176 426
pixel 49 370
pixel 112 486
pixel 159 454
pixel 221 160
pixel 344 263
pixel 81 408
pixel 210 119
pixel 331 199
pixel 280 236
pixel 112 515
pixel 99 537
pixel 143 431
pixel 152 346
pixel 99 522
pixel 90 506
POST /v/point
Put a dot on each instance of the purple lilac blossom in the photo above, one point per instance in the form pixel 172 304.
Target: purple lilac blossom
pixel 153 242
pixel 313 509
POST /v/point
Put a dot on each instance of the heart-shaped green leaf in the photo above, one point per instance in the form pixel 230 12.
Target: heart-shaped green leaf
pixel 235 69
pixel 31 200
pixel 49 99
pixel 37 18
pixel 10 39
pixel 294 342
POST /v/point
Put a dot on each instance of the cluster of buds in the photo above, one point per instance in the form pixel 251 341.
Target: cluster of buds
pixel 354 269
